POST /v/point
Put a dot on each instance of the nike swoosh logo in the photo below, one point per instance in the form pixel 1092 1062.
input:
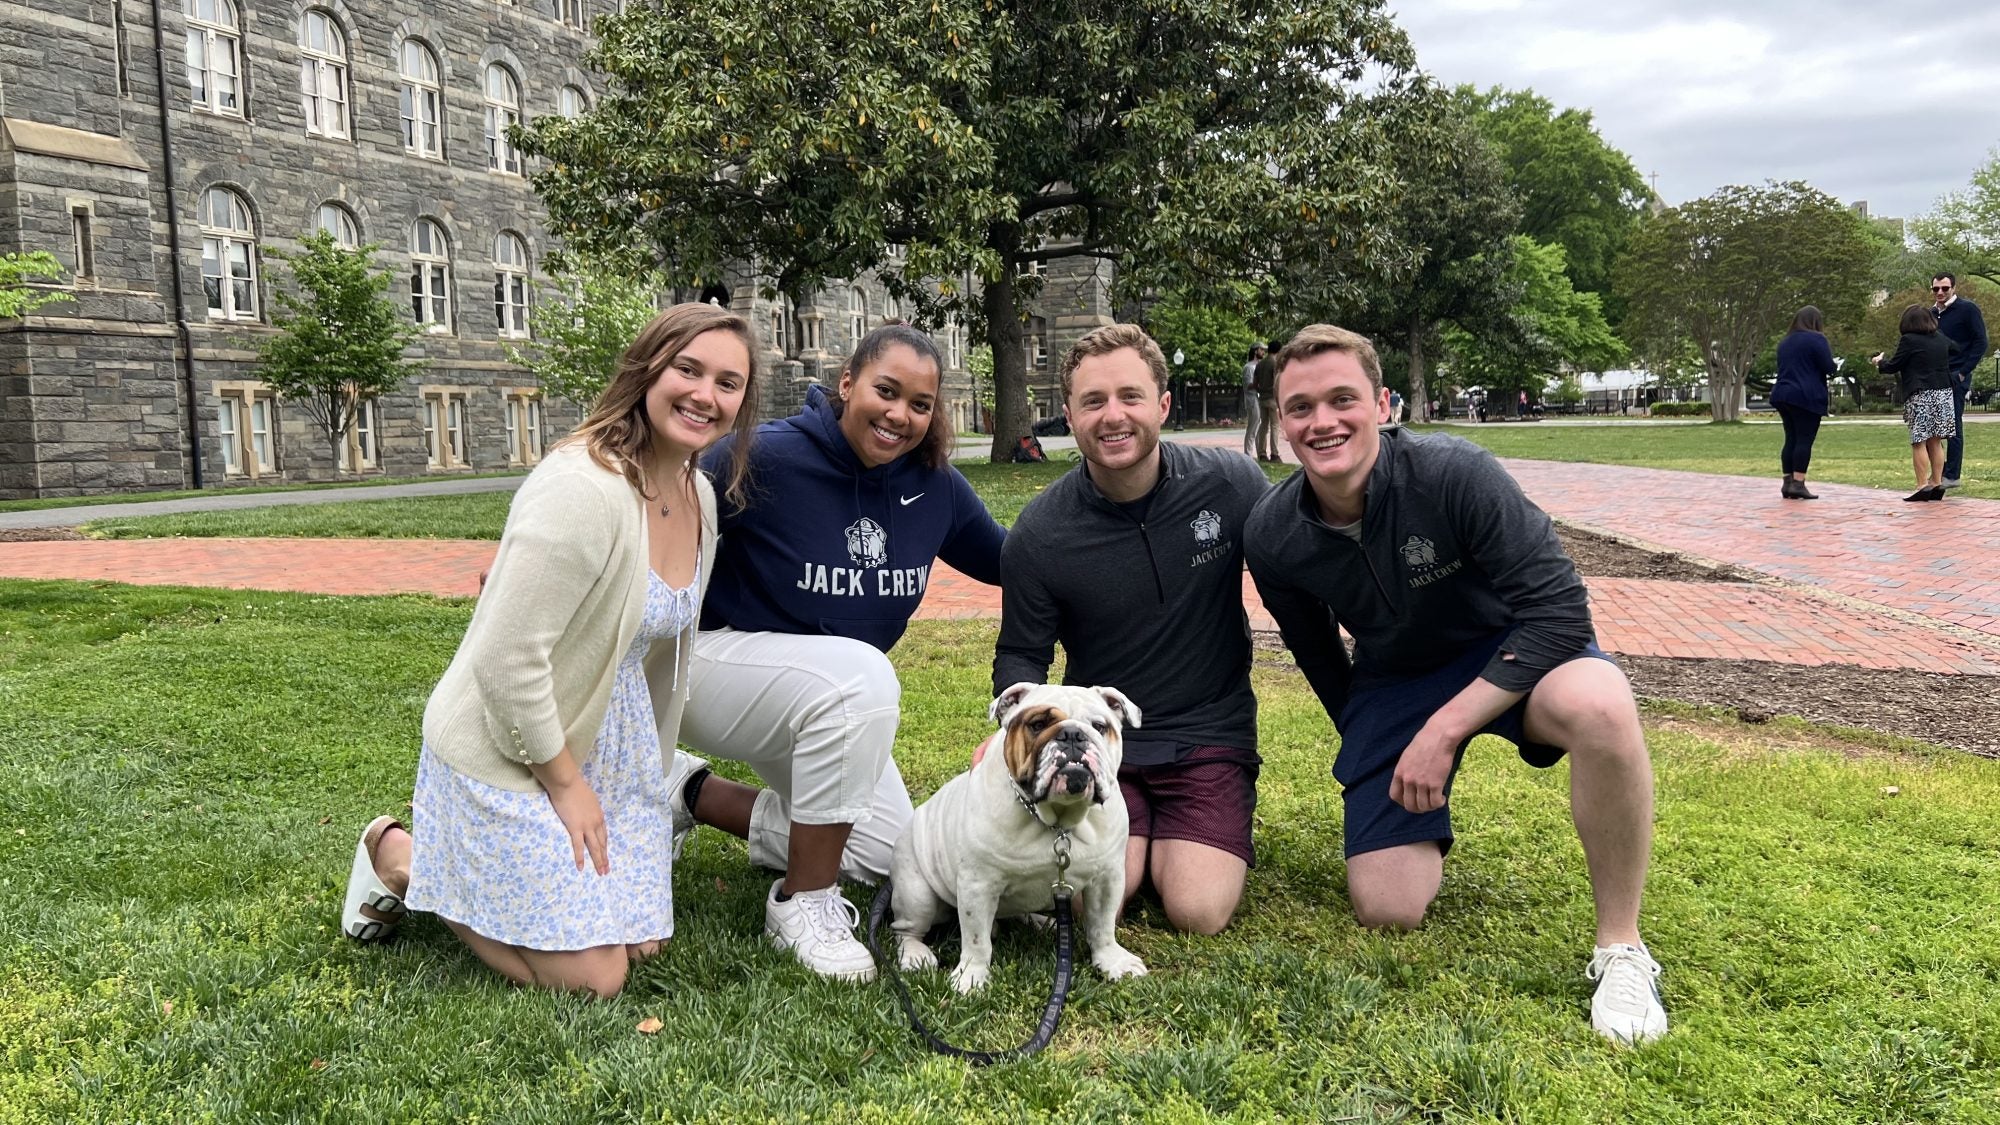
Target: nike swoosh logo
pixel 909 500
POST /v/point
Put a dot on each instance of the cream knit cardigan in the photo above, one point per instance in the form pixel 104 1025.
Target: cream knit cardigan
pixel 562 603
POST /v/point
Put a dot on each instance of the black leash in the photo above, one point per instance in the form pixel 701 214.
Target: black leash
pixel 1058 989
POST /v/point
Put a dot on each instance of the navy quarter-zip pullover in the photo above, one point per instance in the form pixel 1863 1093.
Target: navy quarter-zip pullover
pixel 1152 606
pixel 1451 552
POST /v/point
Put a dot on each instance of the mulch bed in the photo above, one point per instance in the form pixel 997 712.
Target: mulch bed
pixel 38 534
pixel 1954 711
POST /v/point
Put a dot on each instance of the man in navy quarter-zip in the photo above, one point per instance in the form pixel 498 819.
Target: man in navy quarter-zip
pixel 1467 618
pixel 1134 563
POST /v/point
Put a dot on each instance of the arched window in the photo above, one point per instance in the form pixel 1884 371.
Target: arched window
pixel 323 75
pixel 214 56
pixel 572 102
pixel 510 284
pixel 954 336
pixel 422 100
pixel 857 316
pixel 503 111
pixel 228 256
pixel 339 222
pixel 892 309
pixel 430 276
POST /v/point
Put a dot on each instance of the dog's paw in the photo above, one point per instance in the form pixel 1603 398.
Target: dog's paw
pixel 1117 962
pixel 914 956
pixel 972 978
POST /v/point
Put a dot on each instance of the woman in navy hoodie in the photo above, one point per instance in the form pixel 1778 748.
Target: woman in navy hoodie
pixel 1805 363
pixel 851 501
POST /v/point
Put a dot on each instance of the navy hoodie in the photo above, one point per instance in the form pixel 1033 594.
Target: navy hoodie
pixel 826 546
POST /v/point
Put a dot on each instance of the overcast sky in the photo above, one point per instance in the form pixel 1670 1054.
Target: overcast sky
pixel 1864 99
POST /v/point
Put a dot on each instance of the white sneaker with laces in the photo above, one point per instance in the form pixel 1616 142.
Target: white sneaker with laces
pixel 1626 1008
pixel 684 767
pixel 818 927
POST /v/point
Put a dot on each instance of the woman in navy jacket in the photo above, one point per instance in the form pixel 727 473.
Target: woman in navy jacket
pixel 851 503
pixel 1805 363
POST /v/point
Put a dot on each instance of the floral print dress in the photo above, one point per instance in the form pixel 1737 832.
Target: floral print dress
pixel 499 861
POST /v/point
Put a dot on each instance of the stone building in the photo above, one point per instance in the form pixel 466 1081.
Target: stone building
pixel 162 193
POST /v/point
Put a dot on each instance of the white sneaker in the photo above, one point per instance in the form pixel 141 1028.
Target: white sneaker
pixel 1626 1008
pixel 684 767
pixel 818 927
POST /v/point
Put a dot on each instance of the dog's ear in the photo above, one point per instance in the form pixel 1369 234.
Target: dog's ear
pixel 1127 710
pixel 1006 701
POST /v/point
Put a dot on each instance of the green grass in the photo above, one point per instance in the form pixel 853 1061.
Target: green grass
pixel 186 771
pixel 40 504
pixel 1872 454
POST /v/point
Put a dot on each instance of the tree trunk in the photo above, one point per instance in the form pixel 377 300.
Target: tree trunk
pixel 1725 393
pixel 1420 399
pixel 1005 335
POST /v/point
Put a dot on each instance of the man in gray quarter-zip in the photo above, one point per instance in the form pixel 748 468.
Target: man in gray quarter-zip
pixel 1134 563
pixel 1467 618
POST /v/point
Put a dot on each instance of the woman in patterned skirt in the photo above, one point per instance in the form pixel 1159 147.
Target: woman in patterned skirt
pixel 542 829
pixel 1923 361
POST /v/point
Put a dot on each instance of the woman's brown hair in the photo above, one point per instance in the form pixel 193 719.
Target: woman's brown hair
pixel 1808 319
pixel 934 452
pixel 1918 318
pixel 617 431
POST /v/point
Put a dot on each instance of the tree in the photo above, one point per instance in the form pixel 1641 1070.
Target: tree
pixel 1962 230
pixel 1574 189
pixel 1728 271
pixel 577 333
pixel 1552 328
pixel 1189 143
pixel 1458 230
pixel 18 295
pixel 340 340
pixel 1214 340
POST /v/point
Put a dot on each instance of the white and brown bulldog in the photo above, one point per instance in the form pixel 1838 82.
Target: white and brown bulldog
pixel 985 841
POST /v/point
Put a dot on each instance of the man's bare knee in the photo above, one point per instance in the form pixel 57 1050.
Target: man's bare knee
pixel 1390 916
pixel 1207 918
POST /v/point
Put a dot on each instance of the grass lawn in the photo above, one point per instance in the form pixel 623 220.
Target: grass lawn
pixel 1005 488
pixel 147 497
pixel 187 770
pixel 1872 454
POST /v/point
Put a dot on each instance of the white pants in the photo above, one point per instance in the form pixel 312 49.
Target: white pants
pixel 1252 419
pixel 816 718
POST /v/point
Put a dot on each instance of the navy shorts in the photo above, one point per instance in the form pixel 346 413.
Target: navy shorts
pixel 1209 797
pixel 1382 717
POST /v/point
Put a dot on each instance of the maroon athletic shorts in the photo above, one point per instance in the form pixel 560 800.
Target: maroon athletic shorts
pixel 1207 797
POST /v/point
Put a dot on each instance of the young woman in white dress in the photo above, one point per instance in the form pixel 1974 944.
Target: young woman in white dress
pixel 542 825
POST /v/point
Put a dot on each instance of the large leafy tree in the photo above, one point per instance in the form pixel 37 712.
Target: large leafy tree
pixel 1727 272
pixel 1214 340
pixel 1193 143
pixel 340 339
pixel 1554 327
pixel 1962 231
pixel 1575 190
pixel 1456 230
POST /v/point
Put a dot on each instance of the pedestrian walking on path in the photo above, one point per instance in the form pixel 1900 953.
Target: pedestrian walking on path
pixel 1805 363
pixel 1253 412
pixel 542 829
pixel 1922 360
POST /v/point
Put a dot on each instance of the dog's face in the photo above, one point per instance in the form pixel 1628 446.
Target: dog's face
pixel 1063 744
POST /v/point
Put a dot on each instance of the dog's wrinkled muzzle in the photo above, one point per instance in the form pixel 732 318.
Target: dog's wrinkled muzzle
pixel 1070 766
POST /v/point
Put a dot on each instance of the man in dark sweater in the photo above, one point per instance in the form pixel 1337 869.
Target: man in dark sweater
pixel 1134 563
pixel 1960 322
pixel 1468 618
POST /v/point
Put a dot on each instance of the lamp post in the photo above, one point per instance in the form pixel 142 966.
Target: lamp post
pixel 1180 399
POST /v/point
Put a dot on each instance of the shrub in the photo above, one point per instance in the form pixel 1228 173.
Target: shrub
pixel 1679 410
